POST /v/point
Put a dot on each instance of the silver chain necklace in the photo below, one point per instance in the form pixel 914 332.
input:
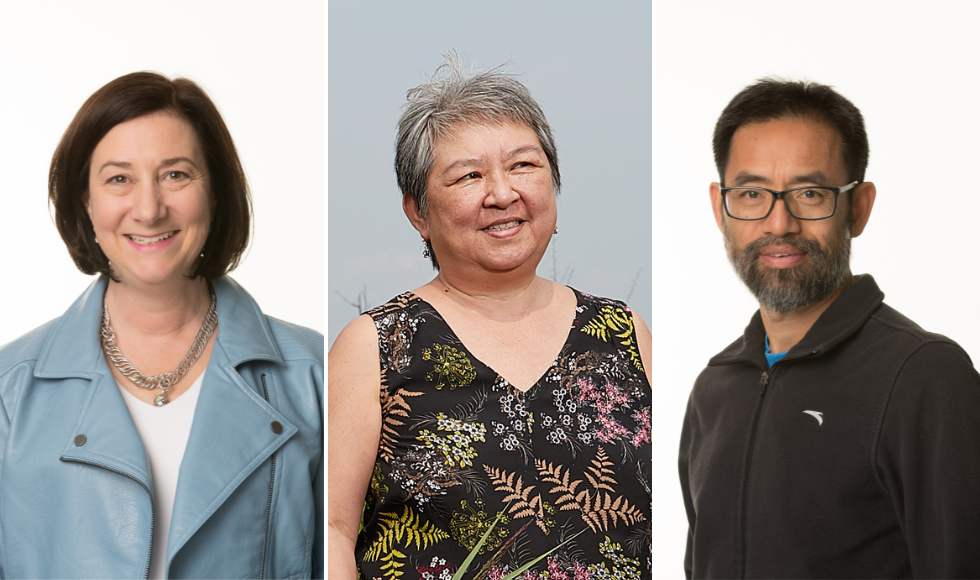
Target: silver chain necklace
pixel 163 381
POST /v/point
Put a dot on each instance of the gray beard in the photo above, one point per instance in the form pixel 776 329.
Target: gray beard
pixel 782 290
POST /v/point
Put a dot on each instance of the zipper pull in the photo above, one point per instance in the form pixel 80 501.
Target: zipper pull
pixel 764 382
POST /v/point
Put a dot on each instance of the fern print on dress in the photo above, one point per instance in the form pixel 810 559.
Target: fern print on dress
pixel 564 464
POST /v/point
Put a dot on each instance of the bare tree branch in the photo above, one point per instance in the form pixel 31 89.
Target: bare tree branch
pixel 360 302
pixel 633 285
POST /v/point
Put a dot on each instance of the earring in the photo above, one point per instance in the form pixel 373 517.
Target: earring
pixel 556 231
pixel 96 238
pixel 425 248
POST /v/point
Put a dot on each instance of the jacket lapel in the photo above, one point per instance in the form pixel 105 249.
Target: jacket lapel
pixel 231 434
pixel 73 350
pixel 111 440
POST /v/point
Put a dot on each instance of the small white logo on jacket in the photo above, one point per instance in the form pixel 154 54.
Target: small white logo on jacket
pixel 816 415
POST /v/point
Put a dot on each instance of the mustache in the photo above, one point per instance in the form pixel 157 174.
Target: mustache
pixel 754 248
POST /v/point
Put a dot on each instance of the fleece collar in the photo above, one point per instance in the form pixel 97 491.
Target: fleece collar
pixel 844 317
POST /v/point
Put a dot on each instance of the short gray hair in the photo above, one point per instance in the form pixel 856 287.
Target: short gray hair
pixel 452 98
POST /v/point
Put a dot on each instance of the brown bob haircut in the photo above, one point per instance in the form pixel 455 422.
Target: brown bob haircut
pixel 129 97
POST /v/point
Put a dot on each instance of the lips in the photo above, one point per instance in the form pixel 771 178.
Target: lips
pixel 503 225
pixel 146 241
pixel 781 251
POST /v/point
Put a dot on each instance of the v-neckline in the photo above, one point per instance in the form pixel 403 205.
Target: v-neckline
pixel 459 341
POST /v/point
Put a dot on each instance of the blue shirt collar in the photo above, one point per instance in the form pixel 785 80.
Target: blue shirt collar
pixel 773 358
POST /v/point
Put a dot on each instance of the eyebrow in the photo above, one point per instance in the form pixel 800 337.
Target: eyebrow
pixel 123 164
pixel 815 177
pixel 175 160
pixel 521 150
pixel 744 177
pixel 128 165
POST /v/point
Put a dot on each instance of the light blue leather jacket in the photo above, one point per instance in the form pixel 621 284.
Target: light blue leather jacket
pixel 249 500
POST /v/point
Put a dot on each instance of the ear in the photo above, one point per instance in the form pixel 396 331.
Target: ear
pixel 715 191
pixel 411 209
pixel 86 201
pixel 863 199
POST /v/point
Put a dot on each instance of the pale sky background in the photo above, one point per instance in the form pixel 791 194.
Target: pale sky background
pixel 263 66
pixel 587 64
pixel 911 68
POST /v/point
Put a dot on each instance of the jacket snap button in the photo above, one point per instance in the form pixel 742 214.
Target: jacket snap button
pixel 276 428
pixel 80 440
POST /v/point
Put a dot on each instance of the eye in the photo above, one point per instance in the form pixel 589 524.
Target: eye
pixel 527 165
pixel 469 176
pixel 175 175
pixel 118 179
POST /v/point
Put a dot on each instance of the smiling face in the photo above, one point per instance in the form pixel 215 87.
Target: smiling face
pixel 149 199
pixel 491 200
pixel 787 263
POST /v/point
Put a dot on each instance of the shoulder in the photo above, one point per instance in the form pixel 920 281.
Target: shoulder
pixel 406 304
pixel 610 312
pixel 296 342
pixel 18 360
pixel 27 348
pixel 360 336
pixel 598 302
pixel 388 327
pixel 891 326
pixel 930 371
pixel 609 309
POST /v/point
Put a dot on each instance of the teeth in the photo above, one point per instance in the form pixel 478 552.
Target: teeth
pixel 780 255
pixel 505 226
pixel 148 241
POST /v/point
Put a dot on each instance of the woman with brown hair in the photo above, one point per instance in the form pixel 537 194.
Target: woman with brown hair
pixel 163 426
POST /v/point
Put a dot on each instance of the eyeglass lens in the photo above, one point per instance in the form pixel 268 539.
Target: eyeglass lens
pixel 809 203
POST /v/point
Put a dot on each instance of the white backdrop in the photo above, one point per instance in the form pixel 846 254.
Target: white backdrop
pixel 911 68
pixel 262 64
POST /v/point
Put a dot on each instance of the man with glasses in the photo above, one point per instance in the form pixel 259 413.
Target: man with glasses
pixel 835 438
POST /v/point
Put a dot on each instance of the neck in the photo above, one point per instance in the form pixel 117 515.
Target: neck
pixel 502 299
pixel 786 329
pixel 158 311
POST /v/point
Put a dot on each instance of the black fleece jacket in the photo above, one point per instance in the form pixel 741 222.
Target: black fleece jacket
pixel 855 456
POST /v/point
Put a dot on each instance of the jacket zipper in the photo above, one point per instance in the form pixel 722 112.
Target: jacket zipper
pixel 763 385
pixel 146 573
pixel 272 481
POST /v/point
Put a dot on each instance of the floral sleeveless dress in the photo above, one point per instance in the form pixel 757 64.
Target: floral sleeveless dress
pixel 562 469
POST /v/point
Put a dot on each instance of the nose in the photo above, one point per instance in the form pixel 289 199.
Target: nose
pixel 148 203
pixel 500 192
pixel 779 222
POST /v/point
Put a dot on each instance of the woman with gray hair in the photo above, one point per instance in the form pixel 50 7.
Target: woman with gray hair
pixel 512 430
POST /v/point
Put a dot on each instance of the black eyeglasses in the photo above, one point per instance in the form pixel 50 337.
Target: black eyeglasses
pixel 803 203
